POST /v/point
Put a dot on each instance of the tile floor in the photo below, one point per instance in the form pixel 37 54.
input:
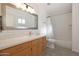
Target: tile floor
pixel 59 51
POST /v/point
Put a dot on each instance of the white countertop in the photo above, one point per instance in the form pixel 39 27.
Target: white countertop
pixel 6 43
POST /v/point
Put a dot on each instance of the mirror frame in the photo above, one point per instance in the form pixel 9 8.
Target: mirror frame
pixel 33 28
pixel 11 28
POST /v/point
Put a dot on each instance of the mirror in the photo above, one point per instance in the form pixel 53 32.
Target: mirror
pixel 18 19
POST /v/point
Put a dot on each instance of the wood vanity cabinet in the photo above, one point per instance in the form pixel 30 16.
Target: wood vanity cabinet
pixel 38 46
pixel 25 52
pixel 17 50
pixel 32 48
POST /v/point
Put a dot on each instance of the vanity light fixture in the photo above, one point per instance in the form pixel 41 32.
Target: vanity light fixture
pixel 25 7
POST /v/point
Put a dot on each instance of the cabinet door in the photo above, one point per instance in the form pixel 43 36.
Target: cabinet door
pixel 26 52
pixel 21 53
pixel 34 51
pixel 34 47
pixel 29 52
pixel 37 48
pixel 42 45
pixel 44 41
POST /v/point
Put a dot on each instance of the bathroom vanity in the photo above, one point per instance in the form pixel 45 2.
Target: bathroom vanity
pixel 27 47
pixel 20 44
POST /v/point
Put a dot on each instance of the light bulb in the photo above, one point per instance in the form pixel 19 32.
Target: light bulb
pixel 29 9
pixel 18 5
pixel 33 11
pixel 23 7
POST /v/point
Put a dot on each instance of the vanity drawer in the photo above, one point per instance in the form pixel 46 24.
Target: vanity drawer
pixel 43 41
pixel 35 42
pixel 40 41
pixel 23 46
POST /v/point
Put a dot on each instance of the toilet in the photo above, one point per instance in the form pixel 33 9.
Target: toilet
pixel 51 43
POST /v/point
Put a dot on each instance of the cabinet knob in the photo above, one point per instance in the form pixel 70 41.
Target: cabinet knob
pixel 4 54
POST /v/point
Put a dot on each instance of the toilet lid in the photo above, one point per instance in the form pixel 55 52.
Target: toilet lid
pixel 53 40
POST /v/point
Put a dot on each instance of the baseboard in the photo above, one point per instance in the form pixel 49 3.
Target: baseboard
pixel 51 46
pixel 75 50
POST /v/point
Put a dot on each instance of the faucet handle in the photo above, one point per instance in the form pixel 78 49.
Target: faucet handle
pixel 30 33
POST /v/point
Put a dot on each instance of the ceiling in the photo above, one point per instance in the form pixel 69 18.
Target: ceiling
pixel 53 8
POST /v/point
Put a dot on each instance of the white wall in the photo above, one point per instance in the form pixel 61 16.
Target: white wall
pixel 0 9
pixel 62 29
pixel 75 27
pixel 42 19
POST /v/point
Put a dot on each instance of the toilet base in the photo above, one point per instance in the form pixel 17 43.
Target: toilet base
pixel 51 45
